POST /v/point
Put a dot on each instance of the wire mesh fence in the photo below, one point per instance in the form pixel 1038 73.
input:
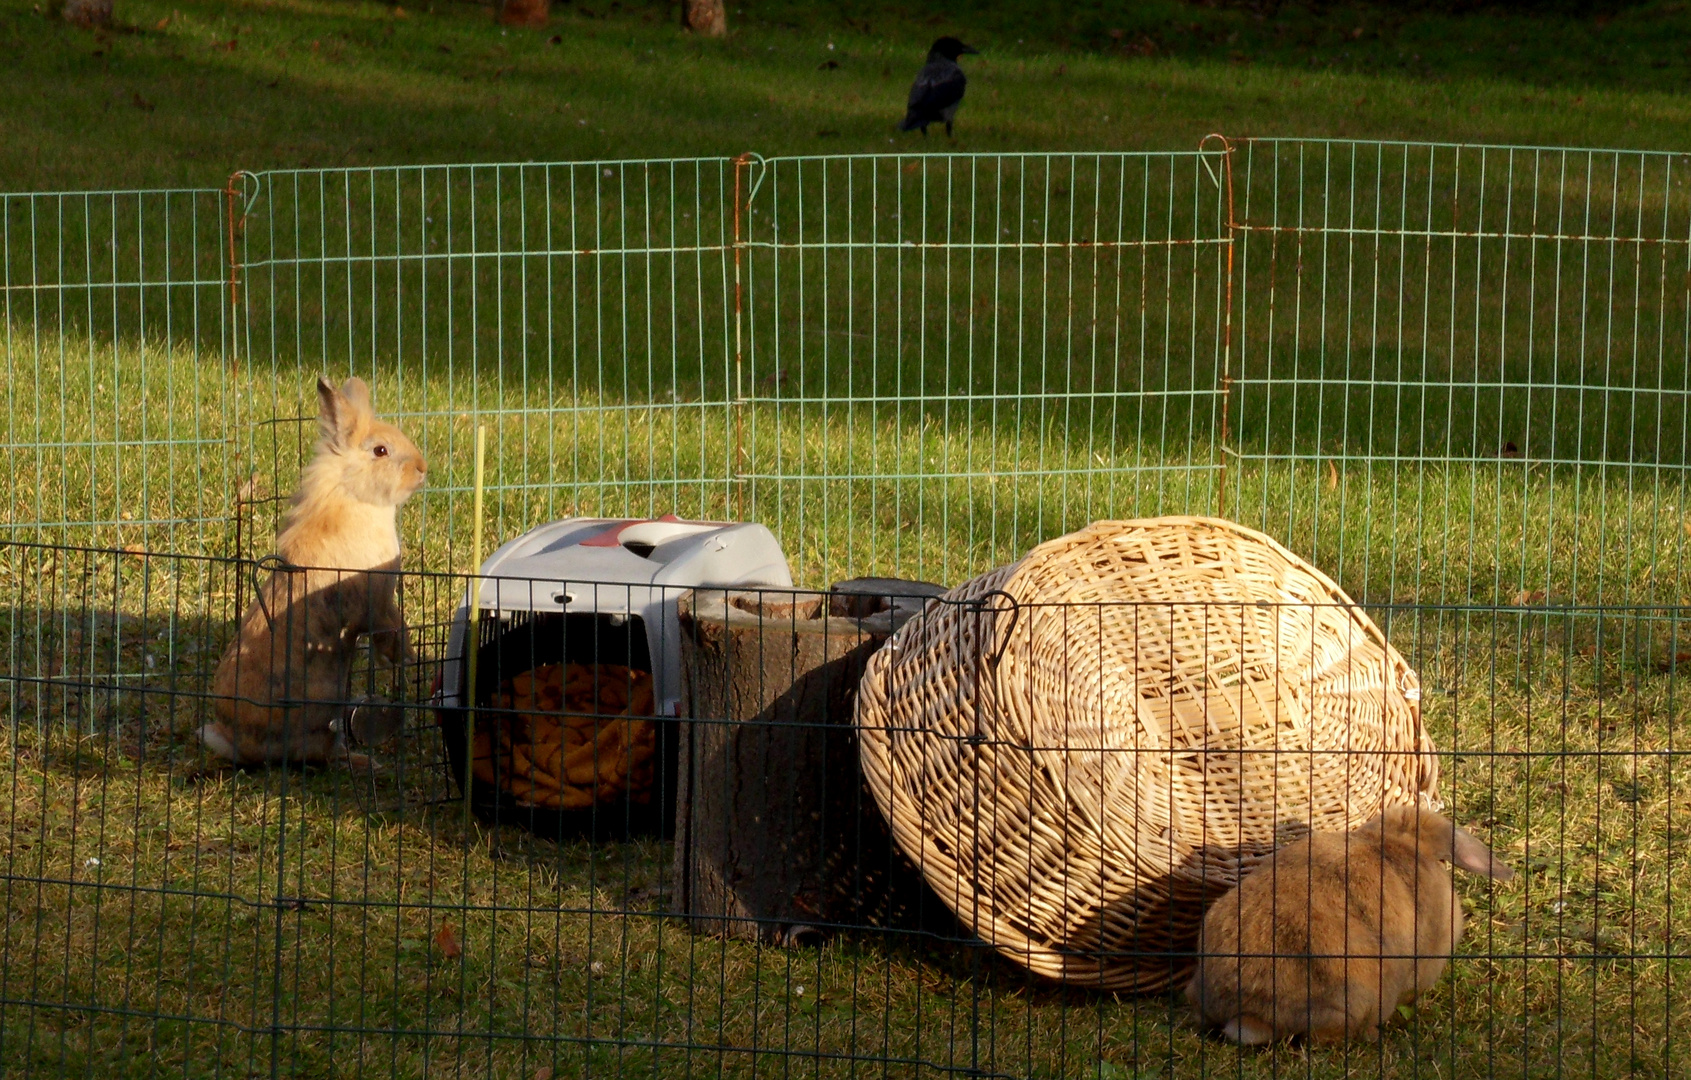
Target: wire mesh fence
pixel 117 325
pixel 165 914
pixel 1454 378
pixel 1484 351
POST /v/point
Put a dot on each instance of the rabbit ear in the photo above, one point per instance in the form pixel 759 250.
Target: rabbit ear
pixel 336 414
pixel 357 391
pixel 1471 855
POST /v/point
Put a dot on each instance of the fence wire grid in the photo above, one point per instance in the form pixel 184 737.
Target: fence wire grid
pixel 1457 379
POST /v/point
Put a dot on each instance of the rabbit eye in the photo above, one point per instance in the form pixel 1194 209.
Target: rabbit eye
pixel 381 451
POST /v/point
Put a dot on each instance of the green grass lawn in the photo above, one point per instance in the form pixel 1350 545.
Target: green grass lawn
pixel 186 92
pixel 925 414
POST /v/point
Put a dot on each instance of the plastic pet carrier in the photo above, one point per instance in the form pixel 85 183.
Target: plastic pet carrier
pixel 577 677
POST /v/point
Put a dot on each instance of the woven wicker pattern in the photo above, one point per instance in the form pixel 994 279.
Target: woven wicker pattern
pixel 1078 765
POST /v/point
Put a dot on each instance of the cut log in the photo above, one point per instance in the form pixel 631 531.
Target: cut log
pixel 777 838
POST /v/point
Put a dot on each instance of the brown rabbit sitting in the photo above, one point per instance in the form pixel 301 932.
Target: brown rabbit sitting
pixel 283 682
pixel 1327 936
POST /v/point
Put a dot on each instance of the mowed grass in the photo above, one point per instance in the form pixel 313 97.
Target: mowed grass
pixel 160 920
pixel 186 92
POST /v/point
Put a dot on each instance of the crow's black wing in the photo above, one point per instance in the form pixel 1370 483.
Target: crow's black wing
pixel 938 87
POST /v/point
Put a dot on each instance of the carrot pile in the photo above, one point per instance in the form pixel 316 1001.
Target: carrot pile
pixel 571 735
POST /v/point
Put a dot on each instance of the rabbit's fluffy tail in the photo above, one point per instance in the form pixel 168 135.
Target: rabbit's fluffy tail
pixel 1247 1030
pixel 218 742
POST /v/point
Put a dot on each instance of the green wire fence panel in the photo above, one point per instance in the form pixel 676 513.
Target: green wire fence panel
pixel 583 311
pixel 118 401
pixel 991 347
pixel 1461 372
pixel 952 357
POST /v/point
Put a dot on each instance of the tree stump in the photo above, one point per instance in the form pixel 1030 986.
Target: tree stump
pixel 524 12
pixel 707 17
pixel 777 837
pixel 89 14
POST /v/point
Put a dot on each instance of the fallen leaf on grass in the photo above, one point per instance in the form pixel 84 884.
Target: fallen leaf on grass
pixel 1332 476
pixel 1529 597
pixel 1667 666
pixel 446 942
pixel 543 1073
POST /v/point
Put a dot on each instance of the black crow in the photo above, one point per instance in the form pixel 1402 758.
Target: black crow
pixel 939 88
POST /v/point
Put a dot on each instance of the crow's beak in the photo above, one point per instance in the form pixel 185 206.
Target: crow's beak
pixel 968 51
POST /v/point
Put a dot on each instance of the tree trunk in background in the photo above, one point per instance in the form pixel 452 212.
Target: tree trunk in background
pixel 707 17
pixel 89 13
pixel 524 12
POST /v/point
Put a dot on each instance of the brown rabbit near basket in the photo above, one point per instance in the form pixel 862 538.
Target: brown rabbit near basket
pixel 283 683
pixel 1329 935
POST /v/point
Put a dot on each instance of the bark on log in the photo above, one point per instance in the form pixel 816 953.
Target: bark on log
pixel 777 837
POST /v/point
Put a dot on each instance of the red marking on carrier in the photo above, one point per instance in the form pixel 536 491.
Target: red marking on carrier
pixel 609 538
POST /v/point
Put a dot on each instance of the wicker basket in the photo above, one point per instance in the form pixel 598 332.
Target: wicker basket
pixel 1081 749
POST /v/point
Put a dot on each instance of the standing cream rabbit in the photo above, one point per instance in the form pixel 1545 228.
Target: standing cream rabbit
pixel 284 681
pixel 1328 935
